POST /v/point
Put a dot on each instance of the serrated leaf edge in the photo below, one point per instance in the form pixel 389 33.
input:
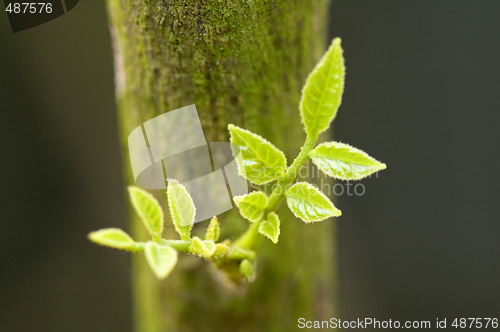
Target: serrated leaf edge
pixel 265 222
pixel 322 194
pixel 316 68
pixel 200 248
pixel 243 172
pixel 213 230
pixel 314 152
pixel 170 199
pixel 240 198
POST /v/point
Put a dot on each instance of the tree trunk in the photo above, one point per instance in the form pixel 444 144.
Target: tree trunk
pixel 241 62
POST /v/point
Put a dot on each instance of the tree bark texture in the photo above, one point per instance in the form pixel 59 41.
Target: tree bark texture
pixel 241 62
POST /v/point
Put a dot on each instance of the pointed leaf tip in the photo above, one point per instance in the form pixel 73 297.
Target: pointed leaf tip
pixel 322 92
pixel 213 230
pixel 270 227
pixel 251 206
pixel 114 238
pixel 148 209
pixel 310 204
pixel 344 162
pixel 258 160
pixel 181 207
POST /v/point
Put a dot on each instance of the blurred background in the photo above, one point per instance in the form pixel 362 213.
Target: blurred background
pixel 422 95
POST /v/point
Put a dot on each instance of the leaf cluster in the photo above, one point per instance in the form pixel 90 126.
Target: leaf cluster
pixel 260 162
pixel 161 254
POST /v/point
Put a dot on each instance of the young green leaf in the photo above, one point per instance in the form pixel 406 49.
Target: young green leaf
pixel 309 204
pixel 182 208
pixel 260 161
pixel 202 248
pixel 114 238
pixel 270 227
pixel 344 162
pixel 247 270
pixel 252 205
pixel 213 230
pixel 322 93
pixel 148 209
pixel 161 258
pixel 220 251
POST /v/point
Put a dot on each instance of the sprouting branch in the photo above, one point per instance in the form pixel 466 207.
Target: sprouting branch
pixel 260 162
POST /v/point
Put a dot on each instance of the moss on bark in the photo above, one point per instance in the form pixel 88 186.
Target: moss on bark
pixel 241 62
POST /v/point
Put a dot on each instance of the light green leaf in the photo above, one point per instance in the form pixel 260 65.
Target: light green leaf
pixel 221 250
pixel 114 238
pixel 161 258
pixel 344 162
pixel 202 248
pixel 310 204
pixel 148 209
pixel 252 205
pixel 322 93
pixel 213 230
pixel 247 270
pixel 271 227
pixel 259 161
pixel 182 208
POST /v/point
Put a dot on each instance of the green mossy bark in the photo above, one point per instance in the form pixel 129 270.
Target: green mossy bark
pixel 241 62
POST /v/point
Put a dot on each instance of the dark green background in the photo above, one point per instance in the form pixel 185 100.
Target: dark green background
pixel 422 94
